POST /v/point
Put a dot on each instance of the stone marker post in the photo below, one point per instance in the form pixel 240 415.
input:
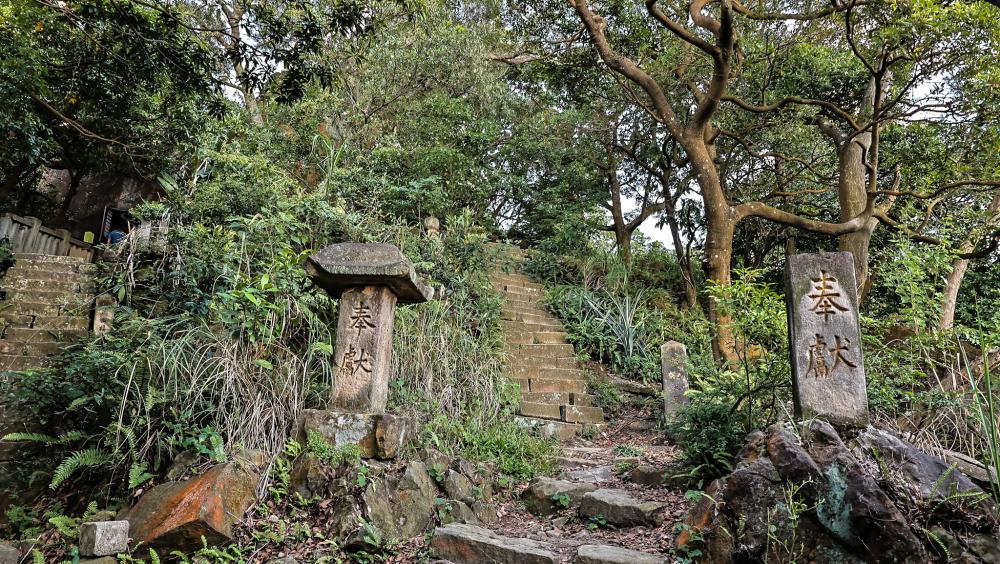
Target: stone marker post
pixel 370 280
pixel 828 368
pixel 673 366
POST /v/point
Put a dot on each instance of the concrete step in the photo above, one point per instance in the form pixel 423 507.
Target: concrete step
pixel 523 301
pixel 539 338
pixel 43 309
pixel 581 414
pixel 16 284
pixel 39 334
pixel 507 308
pixel 558 398
pixel 552 429
pixel 554 385
pixel 541 410
pixel 531 318
pixel 41 348
pixel 16 273
pixel 48 258
pixel 519 338
pixel 517 281
pixel 22 321
pixel 51 297
pixel 547 372
pixel 522 364
pixel 11 362
pixel 512 326
pixel 521 292
pixel 546 351
pixel 54 267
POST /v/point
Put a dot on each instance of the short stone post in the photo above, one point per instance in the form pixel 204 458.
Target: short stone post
pixel 103 538
pixel 104 314
pixel 828 368
pixel 673 366
pixel 432 226
pixel 370 280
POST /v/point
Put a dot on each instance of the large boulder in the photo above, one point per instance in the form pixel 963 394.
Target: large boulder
pixel 813 497
pixel 176 515
pixel 402 507
pixel 620 509
pixel 546 496
pixel 468 544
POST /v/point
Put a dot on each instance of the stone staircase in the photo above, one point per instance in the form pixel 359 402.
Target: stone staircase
pixel 553 387
pixel 44 304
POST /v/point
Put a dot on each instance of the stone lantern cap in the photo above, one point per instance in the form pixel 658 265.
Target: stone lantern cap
pixel 342 266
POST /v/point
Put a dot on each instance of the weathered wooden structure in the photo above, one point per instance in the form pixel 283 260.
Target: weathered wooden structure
pixel 27 235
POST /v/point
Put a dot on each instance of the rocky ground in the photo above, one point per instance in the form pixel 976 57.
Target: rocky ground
pixel 611 492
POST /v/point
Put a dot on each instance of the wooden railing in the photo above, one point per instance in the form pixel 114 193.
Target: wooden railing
pixel 28 235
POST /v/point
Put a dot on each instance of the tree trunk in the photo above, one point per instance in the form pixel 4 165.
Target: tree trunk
pixel 853 196
pixel 690 289
pixel 853 153
pixel 623 236
pixel 74 185
pixel 949 300
pixel 720 226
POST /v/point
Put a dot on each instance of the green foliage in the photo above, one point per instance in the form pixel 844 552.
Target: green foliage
pixel 627 449
pixel 89 458
pixel 710 433
pixel 985 393
pixel 345 455
pixel 562 500
pixel 515 452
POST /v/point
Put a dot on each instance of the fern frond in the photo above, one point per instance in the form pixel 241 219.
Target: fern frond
pixel 127 432
pixel 137 475
pixel 71 436
pixel 90 457
pixel 67 526
pixel 37 557
pixel 90 512
pixel 30 438
pixel 80 401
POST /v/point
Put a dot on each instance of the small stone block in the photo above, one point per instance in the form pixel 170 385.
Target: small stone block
pixel 104 538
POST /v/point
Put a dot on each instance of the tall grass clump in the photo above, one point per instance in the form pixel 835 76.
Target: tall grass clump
pixel 983 390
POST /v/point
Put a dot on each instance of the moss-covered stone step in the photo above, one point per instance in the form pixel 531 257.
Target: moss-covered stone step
pixel 75 285
pixel 9 362
pixel 33 348
pixel 13 320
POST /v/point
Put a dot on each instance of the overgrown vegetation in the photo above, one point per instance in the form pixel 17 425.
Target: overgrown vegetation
pixel 263 131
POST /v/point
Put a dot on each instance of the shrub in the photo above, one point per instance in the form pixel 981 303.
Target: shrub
pixel 710 433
